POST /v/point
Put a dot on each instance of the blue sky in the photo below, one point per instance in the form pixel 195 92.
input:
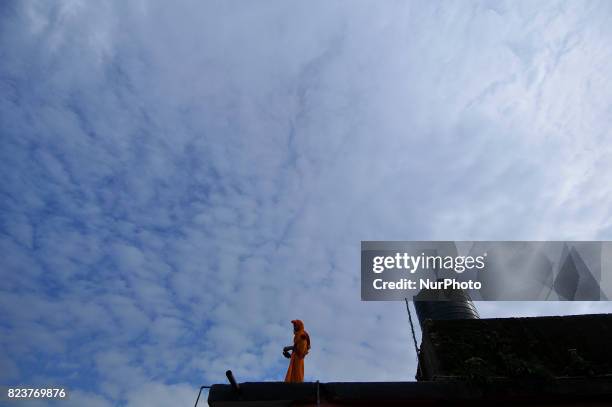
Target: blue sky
pixel 181 179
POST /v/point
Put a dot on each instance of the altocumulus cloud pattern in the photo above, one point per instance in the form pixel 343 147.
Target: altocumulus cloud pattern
pixel 181 179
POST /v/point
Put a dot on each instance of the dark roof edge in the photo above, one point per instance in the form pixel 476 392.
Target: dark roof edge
pixel 596 388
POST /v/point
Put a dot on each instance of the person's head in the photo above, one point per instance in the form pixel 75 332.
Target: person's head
pixel 298 325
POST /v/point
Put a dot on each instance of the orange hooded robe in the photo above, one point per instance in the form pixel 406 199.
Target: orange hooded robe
pixel 301 345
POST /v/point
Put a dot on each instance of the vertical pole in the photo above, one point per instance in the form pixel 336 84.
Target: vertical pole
pixel 416 347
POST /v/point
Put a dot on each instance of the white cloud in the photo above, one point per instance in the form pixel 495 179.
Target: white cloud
pixel 159 394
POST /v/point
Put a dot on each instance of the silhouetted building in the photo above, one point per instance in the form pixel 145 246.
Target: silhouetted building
pixel 541 361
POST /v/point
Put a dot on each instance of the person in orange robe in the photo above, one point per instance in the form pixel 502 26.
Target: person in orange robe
pixel 299 350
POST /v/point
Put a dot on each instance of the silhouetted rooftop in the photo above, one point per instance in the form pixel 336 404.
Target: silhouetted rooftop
pixel 562 361
pixel 537 347
pixel 577 391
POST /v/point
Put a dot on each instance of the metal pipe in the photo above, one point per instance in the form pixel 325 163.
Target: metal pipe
pixel 232 380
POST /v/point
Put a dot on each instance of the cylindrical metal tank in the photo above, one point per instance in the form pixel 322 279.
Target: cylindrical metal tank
pixel 444 304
